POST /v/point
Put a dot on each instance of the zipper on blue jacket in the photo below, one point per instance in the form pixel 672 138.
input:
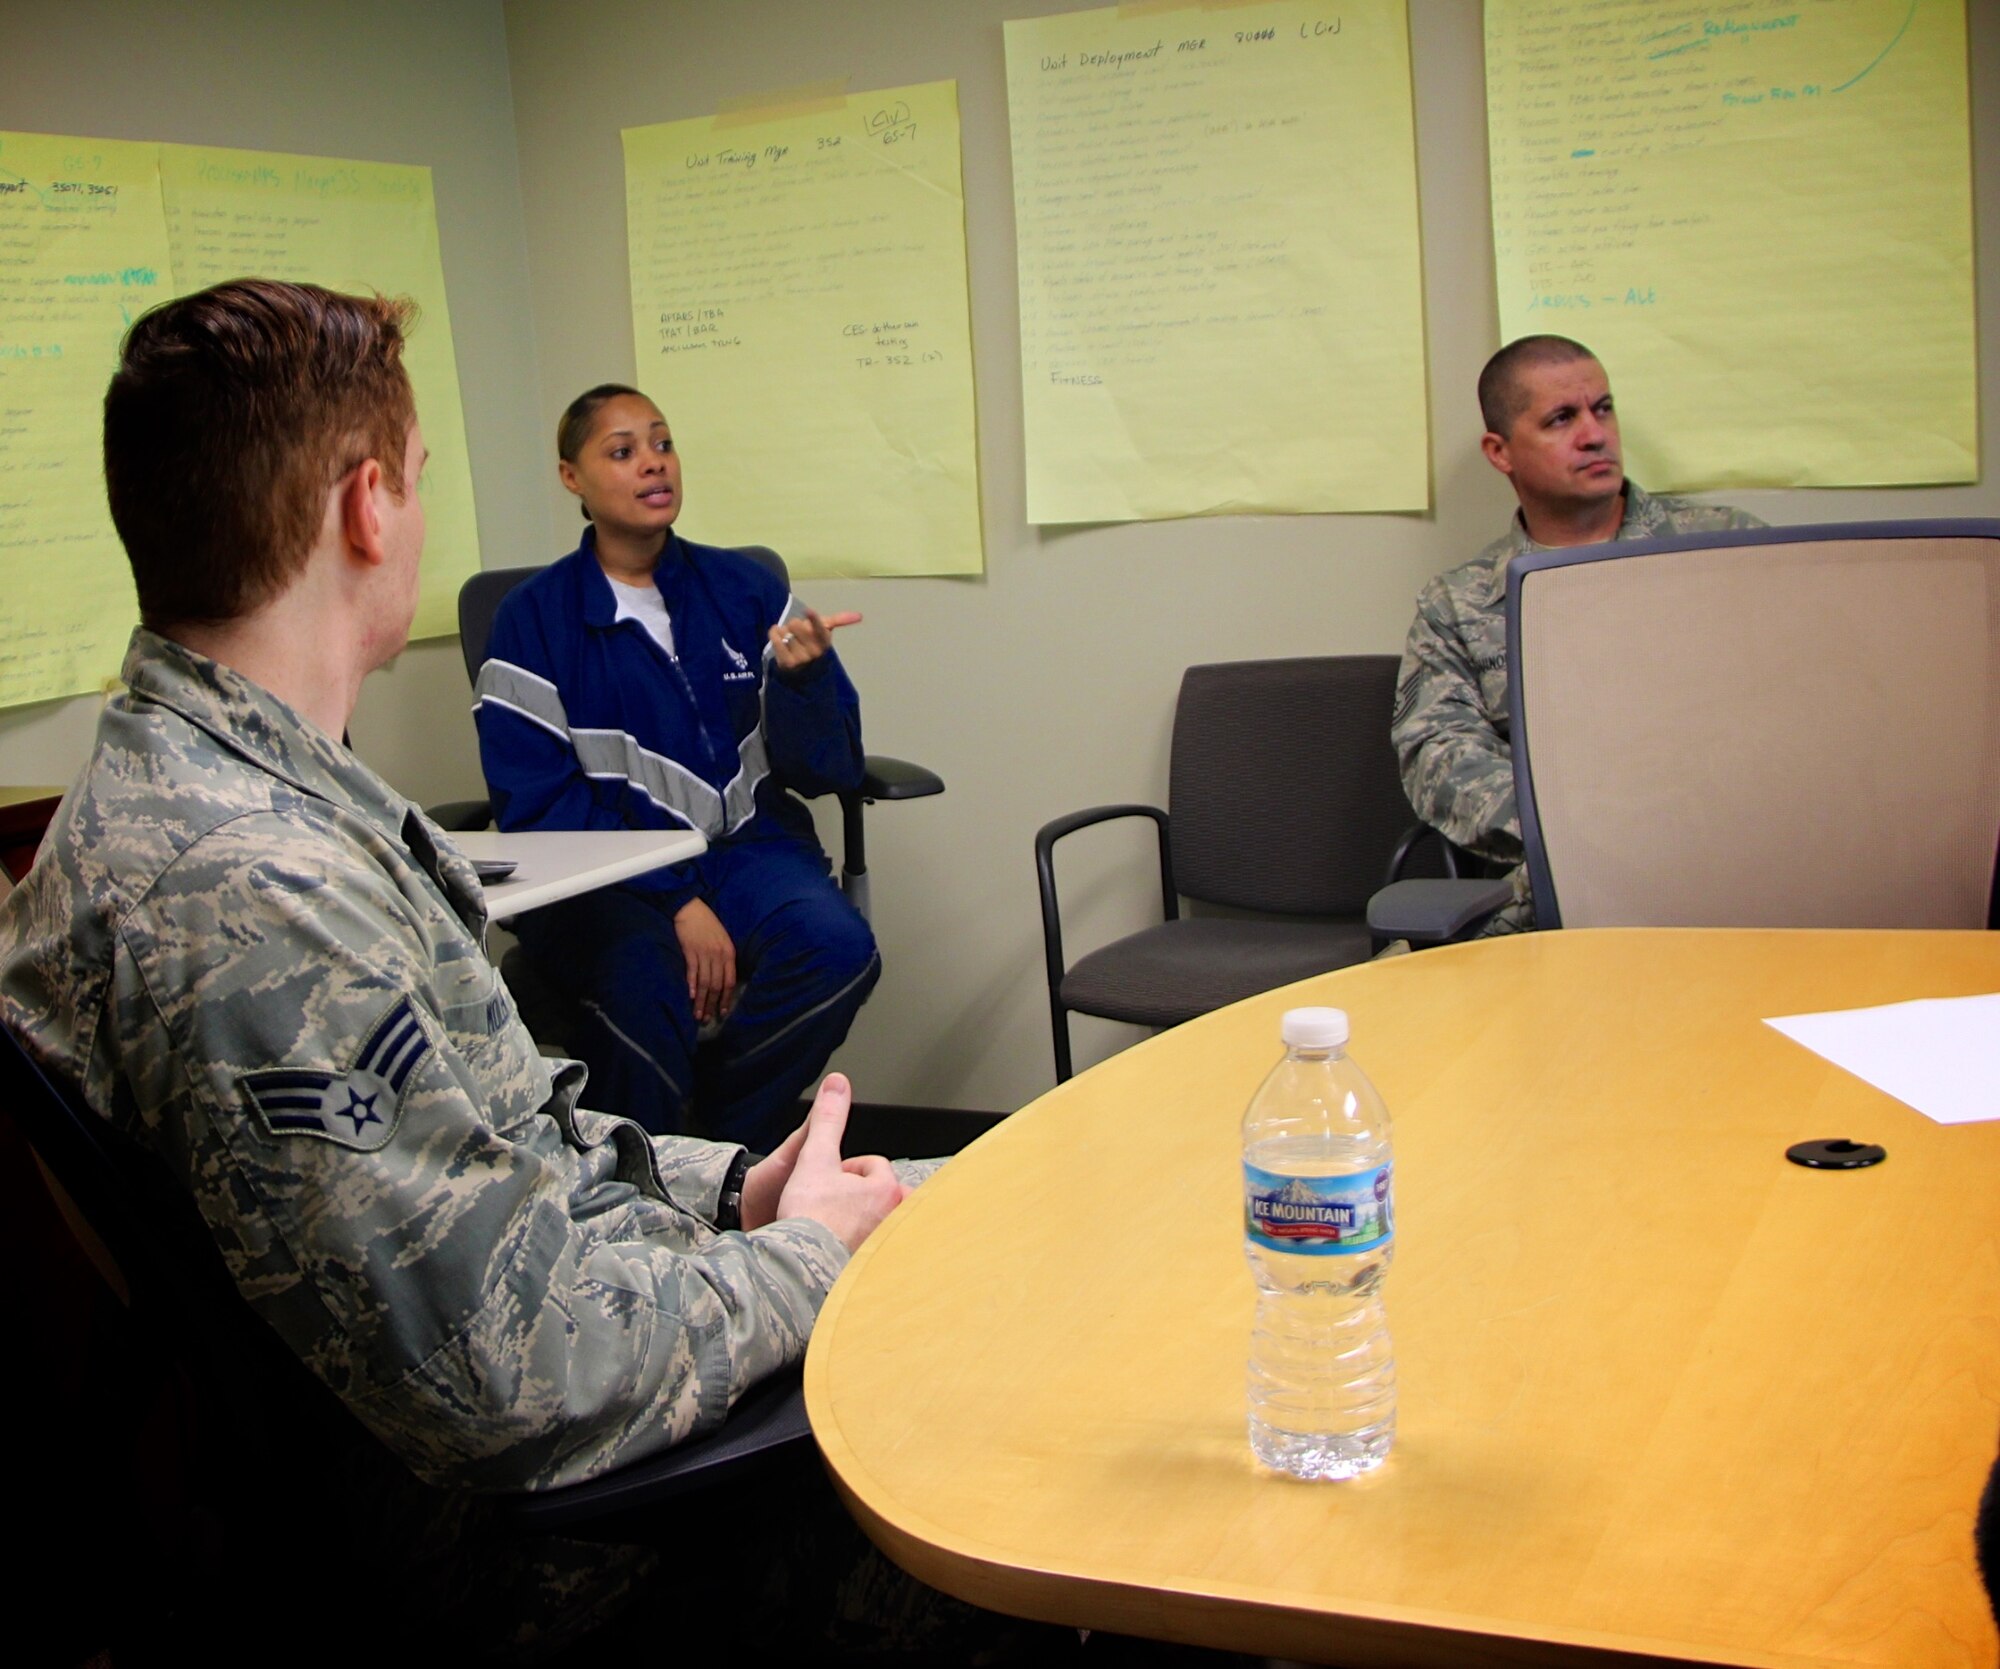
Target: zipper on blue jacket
pixel 681 678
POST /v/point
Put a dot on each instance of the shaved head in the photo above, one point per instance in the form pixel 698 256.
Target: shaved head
pixel 1502 398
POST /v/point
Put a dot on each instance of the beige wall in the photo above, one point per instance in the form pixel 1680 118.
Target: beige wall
pixel 1045 686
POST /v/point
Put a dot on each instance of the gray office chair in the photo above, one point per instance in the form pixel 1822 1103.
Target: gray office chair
pixel 1781 727
pixel 1284 799
pixel 883 778
pixel 1428 913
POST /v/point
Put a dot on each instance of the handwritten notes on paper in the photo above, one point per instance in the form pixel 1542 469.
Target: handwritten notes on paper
pixel 82 253
pixel 1221 288
pixel 1759 215
pixel 355 226
pixel 93 233
pixel 799 310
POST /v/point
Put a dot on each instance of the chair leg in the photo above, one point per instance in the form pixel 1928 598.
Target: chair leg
pixel 1059 1030
pixel 854 851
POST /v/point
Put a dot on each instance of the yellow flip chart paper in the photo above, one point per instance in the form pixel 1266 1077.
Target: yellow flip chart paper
pixel 354 226
pixel 83 251
pixel 1221 277
pixel 799 313
pixel 1759 215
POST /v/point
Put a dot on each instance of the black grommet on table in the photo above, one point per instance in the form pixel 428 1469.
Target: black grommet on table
pixel 1836 1154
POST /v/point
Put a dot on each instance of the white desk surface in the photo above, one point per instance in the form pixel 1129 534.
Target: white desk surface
pixel 561 863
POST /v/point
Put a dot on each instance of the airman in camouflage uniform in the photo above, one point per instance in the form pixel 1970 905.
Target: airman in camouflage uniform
pixel 1551 430
pixel 265 965
pixel 241 934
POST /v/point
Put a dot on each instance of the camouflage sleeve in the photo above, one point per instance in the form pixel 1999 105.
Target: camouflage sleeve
pixel 693 1171
pixel 487 1278
pixel 1456 767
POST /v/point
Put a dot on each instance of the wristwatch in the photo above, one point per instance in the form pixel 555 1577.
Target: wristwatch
pixel 729 1208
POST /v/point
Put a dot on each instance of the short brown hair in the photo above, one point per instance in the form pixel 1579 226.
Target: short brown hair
pixel 232 414
pixel 1500 398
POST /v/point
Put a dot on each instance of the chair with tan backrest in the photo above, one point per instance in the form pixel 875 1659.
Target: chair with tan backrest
pixel 1785 727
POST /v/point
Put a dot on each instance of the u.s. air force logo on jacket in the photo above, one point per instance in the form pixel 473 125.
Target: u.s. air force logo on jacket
pixel 357 1108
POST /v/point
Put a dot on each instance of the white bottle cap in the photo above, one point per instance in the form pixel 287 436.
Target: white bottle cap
pixel 1314 1028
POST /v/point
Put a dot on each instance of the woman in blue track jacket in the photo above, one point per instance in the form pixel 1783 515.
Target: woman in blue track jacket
pixel 647 682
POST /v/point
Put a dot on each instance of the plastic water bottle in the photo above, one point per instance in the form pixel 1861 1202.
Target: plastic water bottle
pixel 1319 1230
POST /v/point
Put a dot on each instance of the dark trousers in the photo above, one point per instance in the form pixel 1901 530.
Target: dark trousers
pixel 805 963
pixel 776 1572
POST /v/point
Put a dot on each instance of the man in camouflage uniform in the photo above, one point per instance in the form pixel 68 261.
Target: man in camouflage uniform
pixel 265 964
pixel 1552 431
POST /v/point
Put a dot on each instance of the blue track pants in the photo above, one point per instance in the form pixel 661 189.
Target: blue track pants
pixel 805 963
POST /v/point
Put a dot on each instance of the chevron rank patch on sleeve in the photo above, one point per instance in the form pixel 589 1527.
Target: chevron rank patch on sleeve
pixel 356 1109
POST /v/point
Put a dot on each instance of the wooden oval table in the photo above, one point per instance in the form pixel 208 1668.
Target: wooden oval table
pixel 1663 1395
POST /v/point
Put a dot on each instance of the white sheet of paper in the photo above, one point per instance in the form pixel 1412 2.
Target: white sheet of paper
pixel 1940 1055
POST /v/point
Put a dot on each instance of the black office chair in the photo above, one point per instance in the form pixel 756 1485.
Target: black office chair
pixel 883 778
pixel 1986 1538
pixel 267 1430
pixel 1284 800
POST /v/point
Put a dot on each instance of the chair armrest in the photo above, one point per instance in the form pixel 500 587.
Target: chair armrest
pixel 1434 912
pixel 1413 837
pixel 1045 874
pixel 883 778
pixel 767 1425
pixel 462 816
pixel 1053 830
